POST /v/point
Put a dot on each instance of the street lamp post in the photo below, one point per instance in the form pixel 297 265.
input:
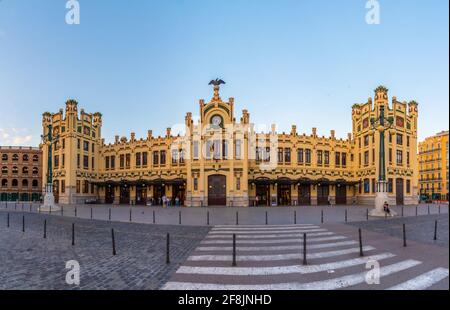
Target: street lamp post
pixel 381 124
pixel 49 198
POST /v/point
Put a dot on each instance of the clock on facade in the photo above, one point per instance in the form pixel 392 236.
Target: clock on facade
pixel 216 120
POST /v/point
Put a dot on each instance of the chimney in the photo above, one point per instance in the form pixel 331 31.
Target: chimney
pixel 149 134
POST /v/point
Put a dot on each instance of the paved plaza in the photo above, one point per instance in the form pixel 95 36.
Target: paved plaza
pixel 269 250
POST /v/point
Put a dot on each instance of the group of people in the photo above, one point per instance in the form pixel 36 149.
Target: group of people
pixel 164 201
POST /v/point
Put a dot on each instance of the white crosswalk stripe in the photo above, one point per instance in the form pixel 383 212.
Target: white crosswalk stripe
pixel 423 281
pixel 268 254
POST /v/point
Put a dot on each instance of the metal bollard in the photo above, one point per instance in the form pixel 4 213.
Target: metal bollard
pixel 75 211
pixel 439 209
pixel 361 253
pixel 73 233
pixel 367 214
pixel 428 209
pixel 130 215
pixel 267 220
pixel 402 211
pixel 7 220
pixel 346 218
pixel 45 229
pixel 404 235
pixel 416 211
pixel 207 218
pixel 168 249
pixel 91 213
pixel 154 217
pixel 237 218
pixel 23 223
pixel 179 217
pixel 295 217
pixel 435 230
pixel 234 251
pixel 109 214
pixel 113 242
pixel 321 217
pixel 304 250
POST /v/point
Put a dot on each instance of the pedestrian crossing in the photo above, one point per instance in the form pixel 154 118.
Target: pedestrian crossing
pixel 270 257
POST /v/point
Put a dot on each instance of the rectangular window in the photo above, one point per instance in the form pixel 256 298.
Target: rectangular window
pixel 63 143
pixel 122 161
pixel 319 157
pixel 86 146
pixel 93 147
pixel 408 186
pixel 195 184
pixel 359 159
pixel 407 141
pixel 280 155
pixel 344 160
pixel 258 155
pixel 63 160
pixel 78 161
pixel 195 150
pixel 174 157
pixel 138 159
pixel 390 185
pixel 327 157
pixel 63 186
pixel 390 138
pixel 155 158
pixel 399 139
pixel 300 156
pixel 287 155
pixel 390 156
pixel 374 188
pixel 266 155
pixel 107 162
pixel 407 158
pixel 238 149
pixel 127 161
pixel 399 157
pixel 78 186
pixel 373 156
pixel 144 159
pixel 366 186
pixel 308 156
pixel 92 163
pixel 182 156
pixel 56 161
pixel 163 157
pixel 78 144
pixel 337 159
pixel 366 140
pixel 113 162
pixel 85 187
pixel 85 162
pixel 238 184
pixel 92 188
pixel 366 158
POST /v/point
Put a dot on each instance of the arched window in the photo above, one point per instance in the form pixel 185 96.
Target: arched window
pixel 15 170
pixel 25 170
pixel 5 170
pixel 35 170
pixel 15 157
pixel 25 157
pixel 25 183
pixel 35 158
pixel 4 183
pixel 35 183
pixel 15 183
pixel 4 157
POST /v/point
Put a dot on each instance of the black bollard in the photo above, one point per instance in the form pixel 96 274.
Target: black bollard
pixel 439 209
pixel 402 211
pixel 404 235
pixel 428 209
pixel 154 217
pixel 304 250
pixel 267 221
pixel 321 217
pixel 168 249
pixel 73 233
pixel 75 211
pixel 416 211
pixel 361 253
pixel 295 217
pixel 207 218
pixel 179 217
pixel 23 223
pixel 346 218
pixel 367 214
pixel 91 213
pixel 234 251
pixel 113 242
pixel 45 229
pixel 50 209
pixel 130 215
pixel 7 220
pixel 109 214
pixel 237 218
pixel 435 230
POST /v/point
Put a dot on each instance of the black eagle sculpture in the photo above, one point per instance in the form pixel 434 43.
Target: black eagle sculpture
pixel 216 82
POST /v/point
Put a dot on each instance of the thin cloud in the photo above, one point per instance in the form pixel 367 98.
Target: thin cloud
pixel 15 137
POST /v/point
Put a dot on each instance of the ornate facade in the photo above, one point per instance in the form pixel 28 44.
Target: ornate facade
pixel 221 160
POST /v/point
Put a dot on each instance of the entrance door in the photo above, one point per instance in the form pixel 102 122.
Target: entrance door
pixel 109 194
pixel 304 195
pixel 124 195
pixel 56 190
pixel 217 190
pixel 284 195
pixel 322 194
pixel 262 192
pixel 341 195
pixel 141 195
pixel 178 191
pixel 399 191
pixel 158 192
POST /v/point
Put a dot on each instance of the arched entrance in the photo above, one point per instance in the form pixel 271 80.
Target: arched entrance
pixel 217 190
pixel 109 194
pixel 124 194
pixel 399 192
pixel 323 190
pixel 263 194
pixel 341 194
pixel 141 194
pixel 304 194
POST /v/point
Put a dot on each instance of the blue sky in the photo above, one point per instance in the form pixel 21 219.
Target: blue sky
pixel 144 64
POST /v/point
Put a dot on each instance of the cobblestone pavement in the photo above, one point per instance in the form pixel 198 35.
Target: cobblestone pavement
pixel 420 229
pixel 28 261
pixel 228 215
